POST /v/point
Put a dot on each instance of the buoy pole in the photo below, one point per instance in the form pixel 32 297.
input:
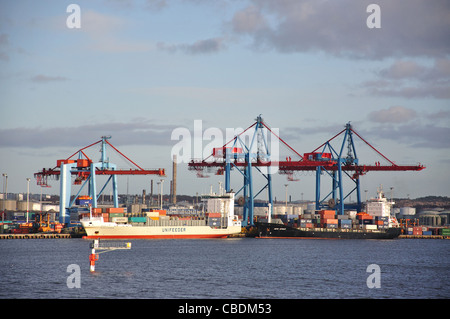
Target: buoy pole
pixel 93 257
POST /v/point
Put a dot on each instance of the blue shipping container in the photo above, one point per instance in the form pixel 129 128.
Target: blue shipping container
pixel 83 202
pixel 137 219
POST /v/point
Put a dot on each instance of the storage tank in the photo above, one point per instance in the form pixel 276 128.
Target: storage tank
pixel 279 210
pixel 22 205
pixel 8 204
pixel 430 218
pixel 297 210
pixel 407 212
pixel 260 211
pixel 445 217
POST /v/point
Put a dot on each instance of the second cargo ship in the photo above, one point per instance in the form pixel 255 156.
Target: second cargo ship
pixel 217 221
pixel 376 223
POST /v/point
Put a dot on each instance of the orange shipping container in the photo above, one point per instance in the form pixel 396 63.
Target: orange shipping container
pixel 115 210
pixel 82 162
pixel 363 216
pixel 329 221
pixel 327 213
pixel 96 210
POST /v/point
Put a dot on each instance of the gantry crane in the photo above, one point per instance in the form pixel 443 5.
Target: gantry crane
pixel 245 156
pixel 237 154
pixel 345 164
pixel 85 171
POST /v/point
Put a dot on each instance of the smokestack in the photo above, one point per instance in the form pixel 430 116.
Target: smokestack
pixel 151 192
pixel 174 180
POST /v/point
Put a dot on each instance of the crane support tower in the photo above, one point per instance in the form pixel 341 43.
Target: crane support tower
pixel 347 166
pixel 85 171
pixel 242 156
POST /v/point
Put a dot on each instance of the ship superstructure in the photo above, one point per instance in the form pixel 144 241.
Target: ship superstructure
pixel 381 208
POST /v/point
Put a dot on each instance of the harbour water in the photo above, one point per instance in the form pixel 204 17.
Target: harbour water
pixel 228 268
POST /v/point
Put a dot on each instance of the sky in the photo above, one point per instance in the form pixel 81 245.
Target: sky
pixel 140 70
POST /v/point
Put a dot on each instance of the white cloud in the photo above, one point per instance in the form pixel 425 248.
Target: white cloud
pixel 248 20
pixel 206 46
pixel 46 78
pixel 104 33
pixel 403 69
pixel 408 27
pixel 409 79
pixel 137 132
pixel 418 135
pixel 394 114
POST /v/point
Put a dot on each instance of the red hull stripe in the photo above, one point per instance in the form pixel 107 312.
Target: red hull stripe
pixel 155 236
pixel 273 237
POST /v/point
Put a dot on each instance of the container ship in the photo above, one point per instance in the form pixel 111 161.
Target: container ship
pixel 215 220
pixel 375 223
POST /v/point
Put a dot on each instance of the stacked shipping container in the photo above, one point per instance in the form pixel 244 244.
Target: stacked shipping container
pixel 118 215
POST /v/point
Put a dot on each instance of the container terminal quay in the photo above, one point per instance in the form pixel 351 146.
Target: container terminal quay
pixel 82 208
pixel 43 215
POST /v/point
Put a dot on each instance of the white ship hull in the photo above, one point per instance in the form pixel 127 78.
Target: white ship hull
pixel 221 222
pixel 155 232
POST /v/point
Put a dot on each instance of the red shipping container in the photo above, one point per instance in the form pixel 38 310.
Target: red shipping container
pixel 214 215
pixel 59 162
